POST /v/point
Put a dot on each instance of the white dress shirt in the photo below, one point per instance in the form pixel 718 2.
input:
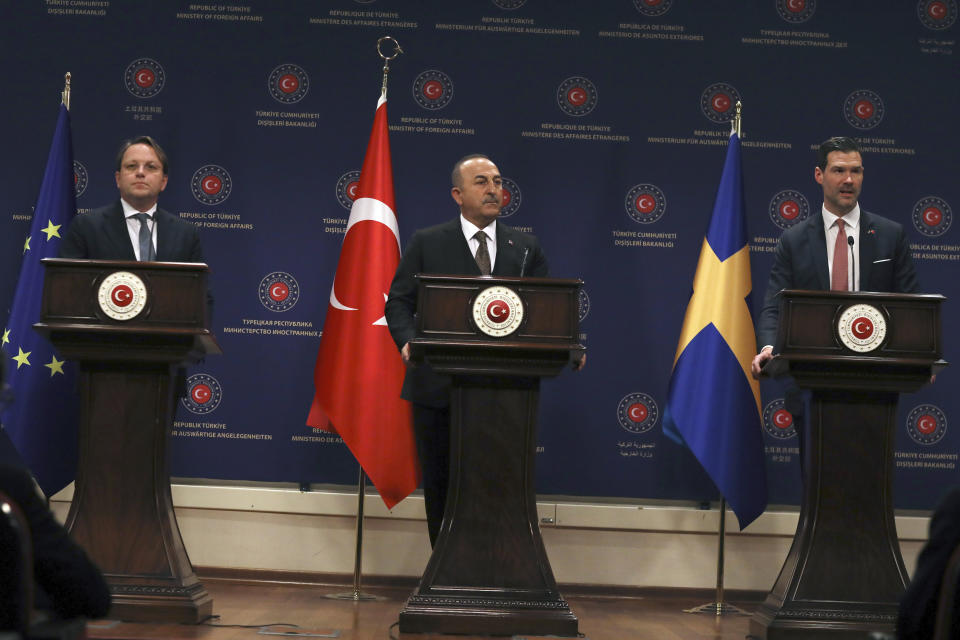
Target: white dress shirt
pixel 133 226
pixel 851 223
pixel 470 230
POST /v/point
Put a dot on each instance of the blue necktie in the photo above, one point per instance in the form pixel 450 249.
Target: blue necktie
pixel 146 240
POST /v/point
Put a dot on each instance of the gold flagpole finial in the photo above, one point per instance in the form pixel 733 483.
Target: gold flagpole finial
pixel 736 119
pixel 386 59
pixel 65 96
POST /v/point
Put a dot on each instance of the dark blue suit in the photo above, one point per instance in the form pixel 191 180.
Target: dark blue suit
pixel 102 234
pixel 884 264
pixel 442 249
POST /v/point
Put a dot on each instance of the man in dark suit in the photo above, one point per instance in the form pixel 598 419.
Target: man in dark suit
pixel 454 247
pixel 134 228
pixel 64 580
pixel 870 252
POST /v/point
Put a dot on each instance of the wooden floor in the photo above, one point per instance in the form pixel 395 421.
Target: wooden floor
pixel 243 610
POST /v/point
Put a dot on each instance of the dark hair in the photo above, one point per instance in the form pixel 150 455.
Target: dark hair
pixel 150 142
pixel 455 177
pixel 838 143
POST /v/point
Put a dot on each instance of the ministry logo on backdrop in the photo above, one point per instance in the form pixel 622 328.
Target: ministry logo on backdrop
pixel 347 187
pixel 638 412
pixel 863 109
pixel 796 11
pixel 653 8
pixel 511 198
pixel 144 78
pixel 777 421
pixel 932 216
pixel 645 203
pixel 718 102
pixel 926 424
pixel 288 83
pixel 211 184
pixel 577 96
pixel 279 291
pixel 788 207
pixel 937 14
pixel 80 179
pixel 509 4
pixel 433 89
pixel 204 394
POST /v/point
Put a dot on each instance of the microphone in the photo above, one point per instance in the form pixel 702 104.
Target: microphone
pixel 523 263
pixel 853 263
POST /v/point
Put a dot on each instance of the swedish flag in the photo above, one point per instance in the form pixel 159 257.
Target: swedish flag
pixel 713 403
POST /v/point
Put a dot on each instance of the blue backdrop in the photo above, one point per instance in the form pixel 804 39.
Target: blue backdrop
pixel 609 122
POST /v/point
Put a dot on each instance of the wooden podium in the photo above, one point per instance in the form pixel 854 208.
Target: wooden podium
pixel 844 574
pixel 496 337
pixel 130 325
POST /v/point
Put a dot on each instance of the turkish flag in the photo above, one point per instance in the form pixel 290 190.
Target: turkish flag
pixel 359 371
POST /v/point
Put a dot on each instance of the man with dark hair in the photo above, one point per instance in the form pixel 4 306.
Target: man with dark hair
pixel 842 249
pixel 473 244
pixel 134 228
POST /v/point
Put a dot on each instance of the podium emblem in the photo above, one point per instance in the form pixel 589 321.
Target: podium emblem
pixel 497 311
pixel 122 295
pixel 862 328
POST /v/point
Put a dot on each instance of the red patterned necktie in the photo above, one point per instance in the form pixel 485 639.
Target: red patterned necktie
pixel 838 281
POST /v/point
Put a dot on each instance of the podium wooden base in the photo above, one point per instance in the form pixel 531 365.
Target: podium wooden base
pixel 122 510
pixel 844 574
pixel 478 616
pixel 489 572
pixel 148 600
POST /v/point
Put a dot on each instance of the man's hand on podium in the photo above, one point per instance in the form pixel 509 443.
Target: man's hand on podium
pixel 759 360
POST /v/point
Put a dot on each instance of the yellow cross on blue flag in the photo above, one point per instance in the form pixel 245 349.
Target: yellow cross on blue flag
pixel 41 415
pixel 713 403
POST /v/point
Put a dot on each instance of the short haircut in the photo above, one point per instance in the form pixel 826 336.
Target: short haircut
pixel 839 143
pixel 455 177
pixel 150 142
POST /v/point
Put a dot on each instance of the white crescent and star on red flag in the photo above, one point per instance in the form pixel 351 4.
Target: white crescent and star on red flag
pixel 366 209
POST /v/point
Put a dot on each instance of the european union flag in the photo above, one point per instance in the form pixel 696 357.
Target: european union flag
pixel 713 403
pixel 41 418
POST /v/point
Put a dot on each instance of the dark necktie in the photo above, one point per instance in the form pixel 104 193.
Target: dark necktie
pixel 838 280
pixel 483 254
pixel 146 240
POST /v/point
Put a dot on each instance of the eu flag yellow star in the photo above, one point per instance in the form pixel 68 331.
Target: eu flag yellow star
pixel 55 366
pixel 21 357
pixel 6 337
pixel 26 244
pixel 52 230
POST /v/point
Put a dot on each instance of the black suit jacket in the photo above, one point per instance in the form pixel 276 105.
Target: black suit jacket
pixel 102 234
pixel 67 581
pixel 442 249
pixel 918 607
pixel 884 264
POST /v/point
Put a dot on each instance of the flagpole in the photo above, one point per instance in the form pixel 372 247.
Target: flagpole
pixel 719 607
pixel 356 594
pixel 65 96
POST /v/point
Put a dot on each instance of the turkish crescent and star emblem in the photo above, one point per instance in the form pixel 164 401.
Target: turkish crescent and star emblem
pixel 862 328
pixel 358 373
pixel 122 295
pixel 371 205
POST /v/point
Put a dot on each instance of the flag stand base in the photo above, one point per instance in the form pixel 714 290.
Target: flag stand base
pixel 720 608
pixel 357 595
